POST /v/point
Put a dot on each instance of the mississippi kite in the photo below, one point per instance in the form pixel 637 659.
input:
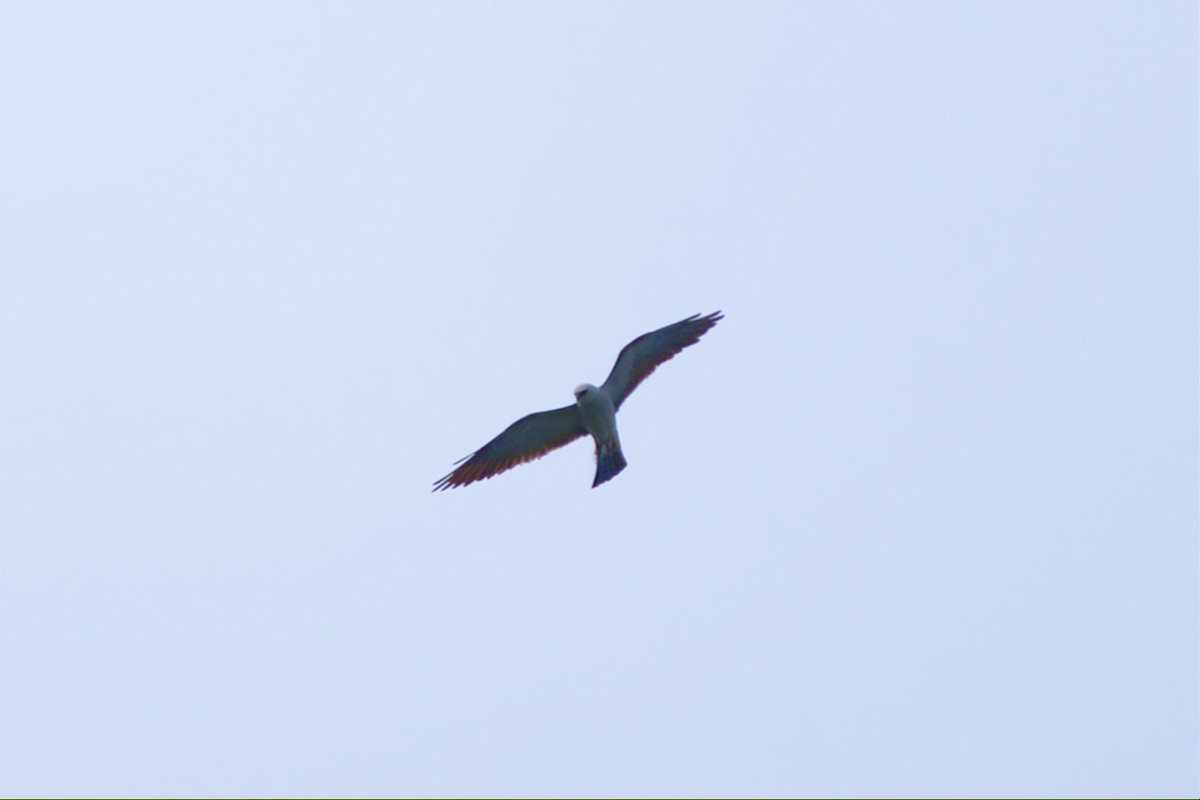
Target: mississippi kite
pixel 594 411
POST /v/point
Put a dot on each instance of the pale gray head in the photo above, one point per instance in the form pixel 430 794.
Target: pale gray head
pixel 583 391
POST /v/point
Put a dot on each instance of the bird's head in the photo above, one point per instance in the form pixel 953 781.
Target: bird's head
pixel 584 391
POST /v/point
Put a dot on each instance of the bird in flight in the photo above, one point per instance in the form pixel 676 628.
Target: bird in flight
pixel 593 412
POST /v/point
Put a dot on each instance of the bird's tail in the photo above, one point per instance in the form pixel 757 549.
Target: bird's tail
pixel 609 461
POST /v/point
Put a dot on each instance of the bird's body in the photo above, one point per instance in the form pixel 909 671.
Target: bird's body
pixel 599 417
pixel 594 412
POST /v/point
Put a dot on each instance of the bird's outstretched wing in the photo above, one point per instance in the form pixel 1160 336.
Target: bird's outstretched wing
pixel 526 439
pixel 643 355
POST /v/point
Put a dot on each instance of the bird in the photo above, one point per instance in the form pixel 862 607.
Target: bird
pixel 594 412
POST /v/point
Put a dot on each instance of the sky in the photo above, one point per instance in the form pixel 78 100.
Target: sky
pixel 919 517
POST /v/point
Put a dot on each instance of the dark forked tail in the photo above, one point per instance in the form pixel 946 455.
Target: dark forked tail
pixel 609 461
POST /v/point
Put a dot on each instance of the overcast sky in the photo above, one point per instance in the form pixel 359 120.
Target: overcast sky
pixel 918 517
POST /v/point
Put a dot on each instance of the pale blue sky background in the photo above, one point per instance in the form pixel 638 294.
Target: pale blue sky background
pixel 918 518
